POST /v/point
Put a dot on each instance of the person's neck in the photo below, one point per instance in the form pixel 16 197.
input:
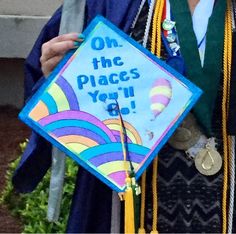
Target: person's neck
pixel 192 4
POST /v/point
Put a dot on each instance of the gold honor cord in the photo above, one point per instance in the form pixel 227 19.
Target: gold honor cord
pixel 227 59
pixel 143 179
pixel 156 49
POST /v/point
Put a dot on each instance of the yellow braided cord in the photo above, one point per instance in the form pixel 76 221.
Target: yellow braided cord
pixel 231 165
pixel 227 57
pixel 224 131
pixel 153 50
pixel 229 61
pixel 229 46
pixel 154 189
pixel 143 198
pixel 154 28
pixel 143 182
pixel 156 49
pixel 158 39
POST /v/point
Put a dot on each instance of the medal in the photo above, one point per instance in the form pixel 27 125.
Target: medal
pixel 174 47
pixel 168 24
pixel 186 135
pixel 171 37
pixel 208 161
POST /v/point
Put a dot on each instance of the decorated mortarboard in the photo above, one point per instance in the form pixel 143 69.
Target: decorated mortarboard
pixel 110 105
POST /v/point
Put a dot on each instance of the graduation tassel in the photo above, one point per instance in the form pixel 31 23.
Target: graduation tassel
pixel 132 191
pixel 129 207
pixel 132 204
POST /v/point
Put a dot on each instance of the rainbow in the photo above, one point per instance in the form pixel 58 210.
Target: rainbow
pixel 107 158
pixel 59 97
pixel 132 134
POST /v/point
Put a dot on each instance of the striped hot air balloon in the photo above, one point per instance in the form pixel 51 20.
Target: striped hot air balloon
pixel 160 95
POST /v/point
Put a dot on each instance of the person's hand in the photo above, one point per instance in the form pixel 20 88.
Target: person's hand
pixel 54 50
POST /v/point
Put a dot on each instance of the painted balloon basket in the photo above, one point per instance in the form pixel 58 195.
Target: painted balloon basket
pixel 109 95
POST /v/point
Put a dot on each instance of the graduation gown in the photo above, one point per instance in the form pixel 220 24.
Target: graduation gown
pixel 182 190
pixel 91 205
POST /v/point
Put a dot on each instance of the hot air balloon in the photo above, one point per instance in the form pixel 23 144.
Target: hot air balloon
pixel 160 95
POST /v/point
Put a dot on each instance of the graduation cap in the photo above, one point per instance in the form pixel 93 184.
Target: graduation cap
pixel 110 105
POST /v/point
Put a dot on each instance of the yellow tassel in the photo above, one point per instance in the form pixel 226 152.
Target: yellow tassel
pixel 141 231
pixel 129 208
pixel 154 232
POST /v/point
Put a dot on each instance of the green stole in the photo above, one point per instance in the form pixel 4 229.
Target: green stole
pixel 208 76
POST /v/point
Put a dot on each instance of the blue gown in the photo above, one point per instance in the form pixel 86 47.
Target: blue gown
pixel 197 198
pixel 91 205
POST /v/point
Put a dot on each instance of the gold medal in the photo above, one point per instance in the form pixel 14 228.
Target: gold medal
pixel 186 135
pixel 208 161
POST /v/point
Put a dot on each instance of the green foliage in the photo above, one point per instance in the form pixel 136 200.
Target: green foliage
pixel 31 208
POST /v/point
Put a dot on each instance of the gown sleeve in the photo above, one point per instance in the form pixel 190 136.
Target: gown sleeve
pixel 36 158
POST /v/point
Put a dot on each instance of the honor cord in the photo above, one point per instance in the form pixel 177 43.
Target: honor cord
pixel 232 184
pixel 231 155
pixel 227 57
pixel 156 49
pixel 143 178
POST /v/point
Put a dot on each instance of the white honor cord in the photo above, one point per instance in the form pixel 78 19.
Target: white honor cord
pixel 232 184
pixel 137 15
pixel 233 14
pixel 168 14
pixel 233 21
pixel 149 22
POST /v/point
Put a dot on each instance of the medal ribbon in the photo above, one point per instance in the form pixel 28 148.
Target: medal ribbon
pixel 208 76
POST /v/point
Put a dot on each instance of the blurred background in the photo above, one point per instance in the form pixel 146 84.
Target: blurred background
pixel 20 24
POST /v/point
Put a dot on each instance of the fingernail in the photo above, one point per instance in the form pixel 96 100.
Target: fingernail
pixel 81 36
pixel 77 43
